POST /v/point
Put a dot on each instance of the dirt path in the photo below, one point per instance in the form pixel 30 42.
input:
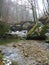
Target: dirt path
pixel 27 52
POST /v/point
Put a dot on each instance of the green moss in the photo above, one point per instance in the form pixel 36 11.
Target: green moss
pixel 35 33
pixel 33 29
pixel 5 41
pixel 1 56
pixel 15 63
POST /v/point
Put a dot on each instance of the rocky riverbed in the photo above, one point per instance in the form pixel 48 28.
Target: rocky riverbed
pixel 26 52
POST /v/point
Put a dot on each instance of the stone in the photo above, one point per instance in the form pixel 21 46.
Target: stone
pixel 19 44
pixel 25 54
pixel 14 46
pixel 39 60
pixel 45 63
pixel 46 58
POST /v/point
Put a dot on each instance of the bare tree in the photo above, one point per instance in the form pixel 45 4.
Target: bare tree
pixel 48 5
pixel 1 5
pixel 33 8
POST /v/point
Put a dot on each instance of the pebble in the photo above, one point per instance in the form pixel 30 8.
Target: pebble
pixel 39 60
pixel 46 58
pixel 25 54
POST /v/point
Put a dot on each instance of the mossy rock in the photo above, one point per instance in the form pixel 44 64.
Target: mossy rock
pixel 35 33
pixel 32 30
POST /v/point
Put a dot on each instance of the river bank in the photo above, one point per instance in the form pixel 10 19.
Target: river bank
pixel 26 52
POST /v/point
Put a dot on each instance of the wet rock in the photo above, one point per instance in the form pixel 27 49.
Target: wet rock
pixel 46 58
pixel 39 60
pixel 35 55
pixel 6 61
pixel 7 52
pixel 37 64
pixel 25 54
pixel 46 63
pixel 19 44
pixel 14 46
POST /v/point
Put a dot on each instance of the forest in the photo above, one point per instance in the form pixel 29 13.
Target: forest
pixel 24 32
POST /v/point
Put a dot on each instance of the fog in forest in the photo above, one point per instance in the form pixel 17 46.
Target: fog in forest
pixel 23 10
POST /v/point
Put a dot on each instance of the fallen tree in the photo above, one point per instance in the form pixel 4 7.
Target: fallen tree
pixel 37 32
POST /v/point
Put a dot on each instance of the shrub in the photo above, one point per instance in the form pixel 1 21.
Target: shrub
pixel 4 27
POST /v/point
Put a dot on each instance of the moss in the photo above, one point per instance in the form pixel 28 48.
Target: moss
pixel 32 30
pixel 1 56
pixel 15 63
pixel 35 33
pixel 6 41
